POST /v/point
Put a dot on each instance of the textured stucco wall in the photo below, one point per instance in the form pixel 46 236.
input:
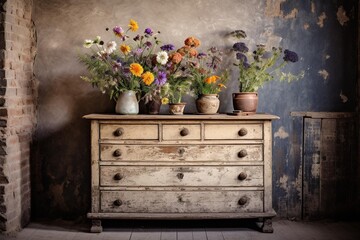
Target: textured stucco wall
pixel 323 38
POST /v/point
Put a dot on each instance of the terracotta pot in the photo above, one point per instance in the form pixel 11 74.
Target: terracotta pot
pixel 153 106
pixel 127 103
pixel 176 108
pixel 207 104
pixel 245 101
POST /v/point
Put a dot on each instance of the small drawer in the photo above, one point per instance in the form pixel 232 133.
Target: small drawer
pixel 174 132
pixel 207 176
pixel 129 131
pixel 233 131
pixel 193 153
pixel 152 201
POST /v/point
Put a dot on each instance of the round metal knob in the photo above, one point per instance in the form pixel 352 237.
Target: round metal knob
pixel 181 151
pixel 180 175
pixel 242 201
pixel 242 132
pixel 118 177
pixel 242 176
pixel 118 132
pixel 118 202
pixel 117 153
pixel 242 153
pixel 184 132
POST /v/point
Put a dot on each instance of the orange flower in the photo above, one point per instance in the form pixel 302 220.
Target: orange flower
pixel 193 52
pixel 125 49
pixel 188 50
pixel 176 57
pixel 133 25
pixel 147 78
pixel 220 85
pixel 192 42
pixel 211 79
pixel 136 69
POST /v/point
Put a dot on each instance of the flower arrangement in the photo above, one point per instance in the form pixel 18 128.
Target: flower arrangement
pixel 115 67
pixel 260 65
pixel 203 73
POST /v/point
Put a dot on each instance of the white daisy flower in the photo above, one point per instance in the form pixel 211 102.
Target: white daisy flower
pixel 110 47
pixel 162 57
pixel 88 43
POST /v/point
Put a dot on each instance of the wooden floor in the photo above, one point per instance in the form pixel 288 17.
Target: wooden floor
pixel 193 230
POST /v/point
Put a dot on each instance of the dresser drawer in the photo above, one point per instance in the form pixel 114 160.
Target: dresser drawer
pixel 181 176
pixel 220 153
pixel 233 131
pixel 174 132
pixel 129 131
pixel 181 201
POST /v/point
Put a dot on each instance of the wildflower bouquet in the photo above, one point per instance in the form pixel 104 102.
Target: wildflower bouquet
pixel 260 65
pixel 125 64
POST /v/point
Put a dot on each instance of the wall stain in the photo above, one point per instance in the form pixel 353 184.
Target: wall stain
pixel 273 9
pixel 321 19
pixel 343 97
pixel 313 7
pixel 324 74
pixel 306 26
pixel 281 133
pixel 341 16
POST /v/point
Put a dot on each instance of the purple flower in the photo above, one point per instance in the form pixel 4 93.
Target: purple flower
pixel 138 51
pixel 290 56
pixel 167 47
pixel 148 44
pixel 240 47
pixel 246 65
pixel 201 55
pixel 118 31
pixel 241 57
pixel 161 79
pixel 148 31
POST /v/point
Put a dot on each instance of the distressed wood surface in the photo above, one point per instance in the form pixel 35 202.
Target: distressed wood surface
pixel 154 170
pixel 195 153
pixel 181 201
pixel 181 176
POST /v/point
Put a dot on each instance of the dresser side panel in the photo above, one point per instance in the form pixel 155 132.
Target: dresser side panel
pixel 95 180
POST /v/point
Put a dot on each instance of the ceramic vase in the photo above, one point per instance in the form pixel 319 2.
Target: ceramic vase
pixel 207 104
pixel 127 103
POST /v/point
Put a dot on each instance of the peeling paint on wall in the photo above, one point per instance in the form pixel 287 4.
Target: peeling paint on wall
pixel 343 97
pixel 324 74
pixel 341 16
pixel 313 7
pixel 281 133
pixel 292 14
pixel 283 182
pixel 273 9
pixel 306 26
pixel 321 19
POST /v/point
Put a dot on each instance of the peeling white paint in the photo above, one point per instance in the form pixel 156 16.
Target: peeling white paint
pixel 321 19
pixel 306 26
pixel 324 74
pixel 327 57
pixel 341 16
pixel 343 97
pixel 281 133
pixel 283 182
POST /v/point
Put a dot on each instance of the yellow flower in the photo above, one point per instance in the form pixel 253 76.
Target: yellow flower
pixel 211 79
pixel 164 100
pixel 220 85
pixel 125 49
pixel 136 69
pixel 133 25
pixel 147 78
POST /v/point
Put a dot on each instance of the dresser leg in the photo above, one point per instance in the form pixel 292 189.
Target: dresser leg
pixel 267 226
pixel 96 226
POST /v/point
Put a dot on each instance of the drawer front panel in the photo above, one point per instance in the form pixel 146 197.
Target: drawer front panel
pixel 181 176
pixel 129 132
pixel 233 153
pixel 174 132
pixel 233 131
pixel 181 201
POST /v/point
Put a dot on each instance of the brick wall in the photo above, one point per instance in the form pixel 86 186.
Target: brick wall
pixel 17 111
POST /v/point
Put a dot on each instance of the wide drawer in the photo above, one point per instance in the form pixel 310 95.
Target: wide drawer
pixel 129 131
pixel 221 153
pixel 181 132
pixel 181 201
pixel 181 176
pixel 233 131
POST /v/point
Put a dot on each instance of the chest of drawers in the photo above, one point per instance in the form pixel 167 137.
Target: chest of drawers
pixel 181 167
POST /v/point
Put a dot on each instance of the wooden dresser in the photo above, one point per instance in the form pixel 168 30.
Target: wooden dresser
pixel 181 167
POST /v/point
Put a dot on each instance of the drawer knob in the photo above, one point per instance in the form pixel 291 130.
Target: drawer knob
pixel 117 153
pixel 242 132
pixel 118 177
pixel 242 176
pixel 242 201
pixel 118 132
pixel 184 132
pixel 181 151
pixel 242 153
pixel 180 175
pixel 118 202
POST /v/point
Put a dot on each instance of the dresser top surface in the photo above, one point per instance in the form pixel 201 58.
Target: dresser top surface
pixel 257 116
